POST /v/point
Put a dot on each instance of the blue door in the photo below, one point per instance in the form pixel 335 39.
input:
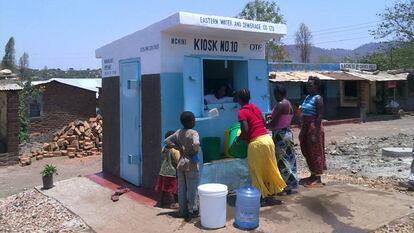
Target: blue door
pixel 130 120
pixel 193 85
pixel 259 84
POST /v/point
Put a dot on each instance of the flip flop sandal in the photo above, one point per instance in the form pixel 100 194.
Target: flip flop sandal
pixel 115 197
pixel 314 185
pixel 270 201
pixel 304 181
pixel 121 191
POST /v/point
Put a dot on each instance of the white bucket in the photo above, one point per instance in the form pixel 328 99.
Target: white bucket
pixel 213 205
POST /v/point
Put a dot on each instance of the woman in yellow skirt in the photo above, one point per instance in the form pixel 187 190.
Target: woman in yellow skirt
pixel 261 159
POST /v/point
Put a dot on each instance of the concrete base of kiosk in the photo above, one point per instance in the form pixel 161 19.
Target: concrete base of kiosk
pixel 232 172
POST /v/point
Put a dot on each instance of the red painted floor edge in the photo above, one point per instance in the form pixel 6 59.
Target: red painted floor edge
pixel 140 195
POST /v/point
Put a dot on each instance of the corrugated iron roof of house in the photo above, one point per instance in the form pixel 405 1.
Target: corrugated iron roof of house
pixel 379 76
pixel 6 73
pixel 9 85
pixel 296 76
pixel 301 76
pixel 343 76
pixel 91 84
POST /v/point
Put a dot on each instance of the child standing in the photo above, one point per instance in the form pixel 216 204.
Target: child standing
pixel 167 183
pixel 187 141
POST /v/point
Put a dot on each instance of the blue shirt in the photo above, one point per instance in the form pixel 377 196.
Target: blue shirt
pixel 308 106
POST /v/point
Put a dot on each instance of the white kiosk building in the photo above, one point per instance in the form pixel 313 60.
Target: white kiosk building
pixel 152 75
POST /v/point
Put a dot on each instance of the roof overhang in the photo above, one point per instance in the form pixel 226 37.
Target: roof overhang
pixel 302 76
pixel 343 76
pixel 10 84
pixel 220 26
pixel 296 76
pixel 381 76
pixel 206 25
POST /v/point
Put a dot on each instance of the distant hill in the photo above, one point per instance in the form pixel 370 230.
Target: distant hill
pixel 321 55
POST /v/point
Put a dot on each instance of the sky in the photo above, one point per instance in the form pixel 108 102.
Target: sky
pixel 64 34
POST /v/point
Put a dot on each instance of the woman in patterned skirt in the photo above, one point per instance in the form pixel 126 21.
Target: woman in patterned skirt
pixel 282 115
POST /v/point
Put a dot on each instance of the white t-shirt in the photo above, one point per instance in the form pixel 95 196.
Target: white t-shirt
pixel 212 99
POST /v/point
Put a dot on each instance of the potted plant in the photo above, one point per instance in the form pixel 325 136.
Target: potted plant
pixel 47 175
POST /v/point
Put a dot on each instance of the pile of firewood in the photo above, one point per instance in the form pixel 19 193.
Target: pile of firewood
pixel 77 139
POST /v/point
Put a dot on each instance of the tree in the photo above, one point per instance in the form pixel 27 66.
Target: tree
pixel 397 21
pixel 266 11
pixel 398 56
pixel 326 59
pixel 24 66
pixel 8 61
pixel 303 42
pixel 262 11
pixel 44 73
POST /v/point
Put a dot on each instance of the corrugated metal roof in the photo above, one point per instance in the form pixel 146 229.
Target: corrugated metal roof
pixel 92 84
pixel 9 85
pixel 342 76
pixel 380 76
pixel 299 76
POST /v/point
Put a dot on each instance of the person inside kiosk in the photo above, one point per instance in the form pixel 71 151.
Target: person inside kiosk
pixel 221 95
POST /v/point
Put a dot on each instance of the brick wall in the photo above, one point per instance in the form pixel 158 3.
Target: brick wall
pixel 11 157
pixel 62 104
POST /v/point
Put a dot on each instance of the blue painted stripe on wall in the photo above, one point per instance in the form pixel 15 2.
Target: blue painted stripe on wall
pixel 172 101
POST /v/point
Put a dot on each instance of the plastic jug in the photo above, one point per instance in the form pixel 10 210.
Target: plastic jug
pixel 247 208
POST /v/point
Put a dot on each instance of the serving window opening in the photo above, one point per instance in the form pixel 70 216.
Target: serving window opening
pixel 221 79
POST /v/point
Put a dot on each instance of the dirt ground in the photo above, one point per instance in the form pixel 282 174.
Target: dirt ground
pixel 14 179
pixel 355 149
pixel 353 153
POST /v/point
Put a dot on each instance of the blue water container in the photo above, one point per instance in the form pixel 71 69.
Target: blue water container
pixel 247 208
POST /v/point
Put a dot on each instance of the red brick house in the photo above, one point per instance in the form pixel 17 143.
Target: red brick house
pixel 62 101
pixel 9 124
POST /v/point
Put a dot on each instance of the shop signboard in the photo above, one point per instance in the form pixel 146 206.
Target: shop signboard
pixel 392 84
